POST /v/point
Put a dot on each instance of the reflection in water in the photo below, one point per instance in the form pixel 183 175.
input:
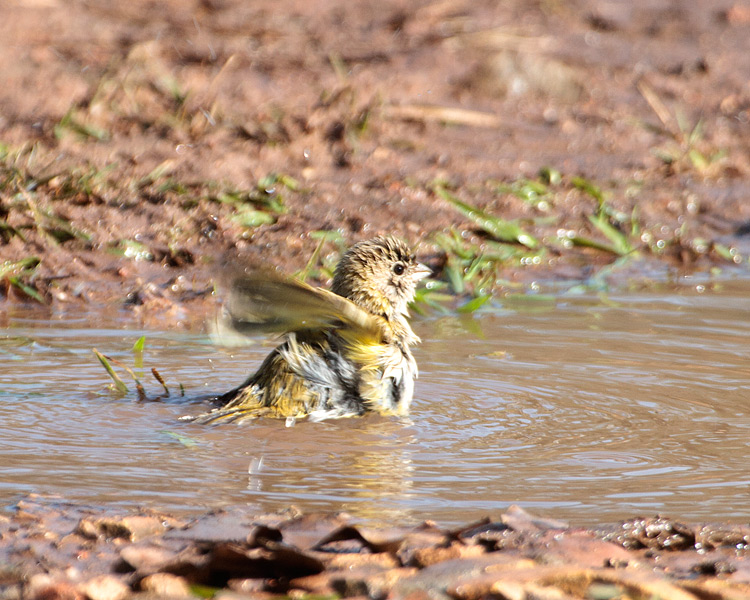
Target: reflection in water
pixel 371 471
pixel 583 406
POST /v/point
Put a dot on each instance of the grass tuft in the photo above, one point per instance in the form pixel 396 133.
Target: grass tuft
pixel 20 275
pixel 499 229
pixel 118 384
pixel 260 205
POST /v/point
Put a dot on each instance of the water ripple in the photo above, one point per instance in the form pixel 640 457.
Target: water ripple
pixel 634 405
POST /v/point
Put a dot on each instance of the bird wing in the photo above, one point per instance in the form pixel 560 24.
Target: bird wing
pixel 265 301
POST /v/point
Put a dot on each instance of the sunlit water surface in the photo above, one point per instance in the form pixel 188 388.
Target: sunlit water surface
pixel 585 408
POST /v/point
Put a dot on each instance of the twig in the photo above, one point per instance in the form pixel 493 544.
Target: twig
pixel 660 109
pixel 443 114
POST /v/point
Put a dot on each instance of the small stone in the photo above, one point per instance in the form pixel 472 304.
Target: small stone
pixel 424 557
pixel 43 587
pixel 247 586
pixel 371 585
pixel 354 561
pixel 319 584
pixel 104 587
pixel 141 526
pixel 131 528
pixel 145 559
pixel 166 586
pixel 87 529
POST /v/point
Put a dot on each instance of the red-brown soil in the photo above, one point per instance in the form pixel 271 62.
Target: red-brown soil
pixel 125 125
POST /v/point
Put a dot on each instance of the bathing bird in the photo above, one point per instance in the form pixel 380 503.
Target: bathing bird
pixel 345 351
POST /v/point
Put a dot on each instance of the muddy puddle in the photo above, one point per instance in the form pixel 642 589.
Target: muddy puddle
pixel 584 407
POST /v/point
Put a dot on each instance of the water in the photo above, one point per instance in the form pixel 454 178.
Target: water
pixel 585 408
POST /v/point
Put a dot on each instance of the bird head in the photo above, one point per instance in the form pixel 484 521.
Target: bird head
pixel 379 275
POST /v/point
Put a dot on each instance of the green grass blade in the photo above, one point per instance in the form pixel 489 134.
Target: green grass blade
pixel 138 385
pixel 138 352
pixel 473 304
pixel 620 243
pixel 589 188
pixel 505 231
pixel 455 276
pixel 724 252
pixel 585 242
pixel 27 289
pixel 248 217
pixel 119 384
pixel 477 264
pixel 186 441
pixel 14 267
pixel 305 273
pixel 139 344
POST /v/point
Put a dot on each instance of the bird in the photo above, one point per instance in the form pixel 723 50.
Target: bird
pixel 345 351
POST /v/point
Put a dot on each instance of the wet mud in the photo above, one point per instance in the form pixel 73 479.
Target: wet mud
pixel 143 144
pixel 55 550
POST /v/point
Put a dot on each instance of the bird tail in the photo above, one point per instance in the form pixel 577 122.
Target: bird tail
pixel 230 415
pixel 239 404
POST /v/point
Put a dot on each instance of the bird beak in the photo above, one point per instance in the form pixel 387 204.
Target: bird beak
pixel 421 271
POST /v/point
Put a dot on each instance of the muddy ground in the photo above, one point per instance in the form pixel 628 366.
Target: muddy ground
pixel 53 550
pixel 143 143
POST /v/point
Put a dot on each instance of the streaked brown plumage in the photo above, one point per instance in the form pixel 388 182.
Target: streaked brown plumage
pixel 346 351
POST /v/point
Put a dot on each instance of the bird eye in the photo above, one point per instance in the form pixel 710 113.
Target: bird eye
pixel 399 268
